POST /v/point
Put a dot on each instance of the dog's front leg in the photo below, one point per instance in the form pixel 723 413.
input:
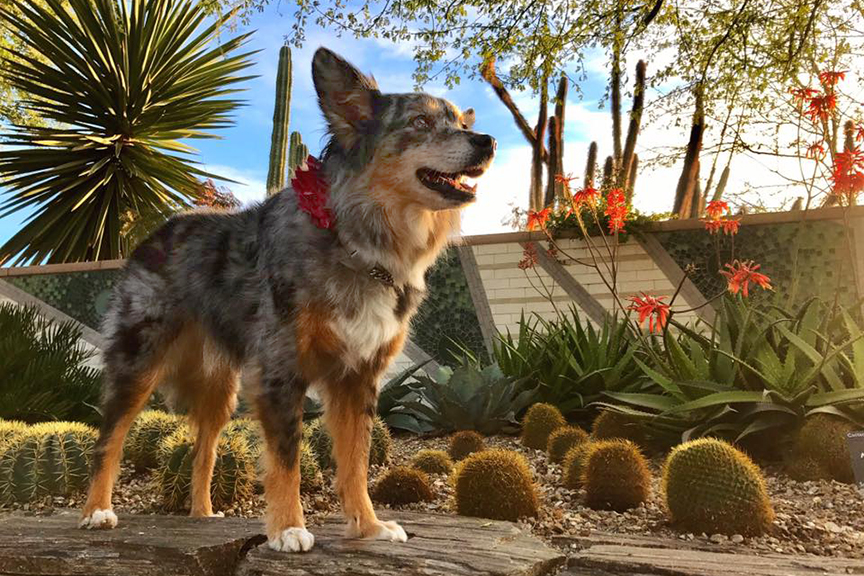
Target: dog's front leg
pixel 349 409
pixel 280 409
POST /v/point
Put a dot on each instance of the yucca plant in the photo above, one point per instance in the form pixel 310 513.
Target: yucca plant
pixel 122 85
pixel 42 363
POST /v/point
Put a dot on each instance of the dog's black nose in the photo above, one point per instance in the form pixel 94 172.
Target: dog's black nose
pixel 484 141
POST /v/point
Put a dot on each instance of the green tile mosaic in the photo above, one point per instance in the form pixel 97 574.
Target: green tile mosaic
pixel 82 295
pixel 803 259
pixel 448 313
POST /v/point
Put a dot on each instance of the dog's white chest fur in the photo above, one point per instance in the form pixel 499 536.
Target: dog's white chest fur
pixel 372 326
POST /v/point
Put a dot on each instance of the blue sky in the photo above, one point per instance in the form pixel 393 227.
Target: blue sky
pixel 242 152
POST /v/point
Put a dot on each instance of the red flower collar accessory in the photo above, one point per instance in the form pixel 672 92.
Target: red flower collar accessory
pixel 311 187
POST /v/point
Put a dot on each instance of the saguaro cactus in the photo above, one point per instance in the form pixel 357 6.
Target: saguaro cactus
pixel 591 165
pixel 627 161
pixel 281 114
pixel 297 154
pixel 556 144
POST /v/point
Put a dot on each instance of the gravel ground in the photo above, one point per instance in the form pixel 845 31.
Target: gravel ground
pixel 821 518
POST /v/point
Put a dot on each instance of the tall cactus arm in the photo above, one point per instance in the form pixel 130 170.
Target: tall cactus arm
pixel 281 113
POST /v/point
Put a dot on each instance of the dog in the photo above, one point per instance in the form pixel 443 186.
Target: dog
pixel 303 290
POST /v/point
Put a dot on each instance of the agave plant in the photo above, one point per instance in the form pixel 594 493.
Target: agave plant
pixel 573 362
pixel 751 372
pixel 122 84
pixel 44 371
pixel 469 398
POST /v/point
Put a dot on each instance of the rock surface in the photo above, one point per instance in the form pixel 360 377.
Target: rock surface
pixel 178 546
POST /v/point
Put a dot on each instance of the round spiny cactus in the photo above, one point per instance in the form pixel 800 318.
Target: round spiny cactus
pixel 574 464
pixel 615 476
pixel 539 423
pixel 321 442
pixel 401 486
pixel 432 462
pixel 233 472
pixel 9 429
pixel 610 424
pixel 310 473
pixel 148 431
pixel 464 443
pixel 562 440
pixel 806 470
pixel 712 487
pixel 49 459
pixel 495 484
pixel 822 441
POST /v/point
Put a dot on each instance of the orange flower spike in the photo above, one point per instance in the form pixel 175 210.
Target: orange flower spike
pixel 820 107
pixel 716 209
pixel 730 227
pixel 740 274
pixel 830 79
pixel 538 219
pixel 713 226
pixel 804 93
pixel 587 196
pixel 651 308
pixel 816 151
pixel 859 134
pixel 616 210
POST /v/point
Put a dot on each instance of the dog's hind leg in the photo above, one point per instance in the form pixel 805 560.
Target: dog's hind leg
pixel 207 381
pixel 279 402
pixel 134 365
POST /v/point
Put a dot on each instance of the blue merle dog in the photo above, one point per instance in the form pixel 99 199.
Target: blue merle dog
pixel 268 294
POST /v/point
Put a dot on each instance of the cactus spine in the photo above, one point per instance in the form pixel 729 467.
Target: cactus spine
pixel 281 113
pixel 297 154
pixel 50 459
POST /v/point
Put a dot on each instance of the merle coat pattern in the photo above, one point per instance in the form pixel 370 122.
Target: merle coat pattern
pixel 265 293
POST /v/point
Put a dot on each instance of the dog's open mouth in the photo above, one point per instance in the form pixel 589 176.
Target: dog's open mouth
pixel 458 186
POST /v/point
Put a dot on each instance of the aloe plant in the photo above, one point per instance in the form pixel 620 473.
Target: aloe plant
pixel 753 371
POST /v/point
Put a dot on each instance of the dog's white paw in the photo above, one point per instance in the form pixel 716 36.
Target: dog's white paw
pixel 292 540
pixel 99 520
pixel 390 531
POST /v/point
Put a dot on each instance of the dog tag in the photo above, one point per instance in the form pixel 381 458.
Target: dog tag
pixel 856 453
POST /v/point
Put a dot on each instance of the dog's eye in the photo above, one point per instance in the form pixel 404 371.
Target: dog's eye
pixel 422 122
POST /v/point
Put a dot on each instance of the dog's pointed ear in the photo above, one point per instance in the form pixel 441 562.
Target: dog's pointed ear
pixel 346 95
pixel 468 118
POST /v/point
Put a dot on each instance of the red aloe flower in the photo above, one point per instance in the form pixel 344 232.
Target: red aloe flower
pixel 538 219
pixel 651 308
pixel 804 93
pixel 816 151
pixel 859 134
pixel 311 188
pixel 848 174
pixel 565 180
pixel 730 227
pixel 587 196
pixel 820 107
pixel 829 79
pixel 529 257
pixel 740 274
pixel 616 210
pixel 716 208
pixel 713 226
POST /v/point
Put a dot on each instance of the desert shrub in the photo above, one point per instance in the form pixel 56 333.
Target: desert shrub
pixel 615 476
pixel 145 436
pixel 48 459
pixel 712 487
pixel 539 423
pixel 821 452
pixel 574 464
pixel 465 443
pixel 562 440
pixel 495 484
pixel 432 462
pixel 402 485
pixel 42 363
pixel 233 473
